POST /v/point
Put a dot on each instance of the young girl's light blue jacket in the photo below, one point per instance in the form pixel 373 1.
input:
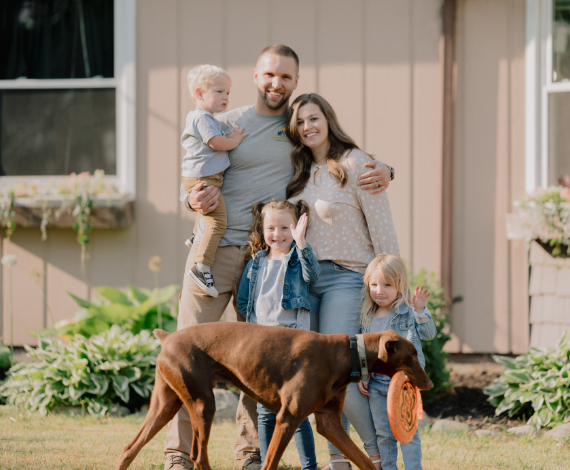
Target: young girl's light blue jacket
pixel 302 268
pixel 414 328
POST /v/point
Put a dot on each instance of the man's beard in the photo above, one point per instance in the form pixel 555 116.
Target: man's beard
pixel 269 104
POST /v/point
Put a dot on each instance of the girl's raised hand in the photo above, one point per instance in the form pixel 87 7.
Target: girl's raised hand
pixel 298 232
pixel 420 299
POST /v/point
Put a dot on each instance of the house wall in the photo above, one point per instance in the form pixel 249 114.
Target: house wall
pixel 490 273
pixel 379 64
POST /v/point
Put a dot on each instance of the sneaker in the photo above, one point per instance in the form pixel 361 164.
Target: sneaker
pixel 204 280
pixel 253 462
pixel 178 461
pixel 189 241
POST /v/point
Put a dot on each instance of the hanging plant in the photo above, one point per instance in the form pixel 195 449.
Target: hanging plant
pixel 46 213
pixel 82 216
pixel 8 213
pixel 82 225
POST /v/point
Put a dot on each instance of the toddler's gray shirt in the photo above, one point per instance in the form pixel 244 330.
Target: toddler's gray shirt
pixel 200 159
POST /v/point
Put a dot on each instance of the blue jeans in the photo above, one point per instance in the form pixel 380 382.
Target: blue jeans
pixel 303 438
pixel 411 452
pixel 336 299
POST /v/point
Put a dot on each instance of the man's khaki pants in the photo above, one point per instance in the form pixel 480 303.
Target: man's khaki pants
pixel 197 307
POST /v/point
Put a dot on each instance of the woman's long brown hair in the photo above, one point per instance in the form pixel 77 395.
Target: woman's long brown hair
pixel 302 157
pixel 256 239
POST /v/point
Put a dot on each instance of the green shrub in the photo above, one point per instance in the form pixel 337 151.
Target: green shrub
pixel 436 358
pixel 114 367
pixel 536 384
pixel 135 309
pixel 4 357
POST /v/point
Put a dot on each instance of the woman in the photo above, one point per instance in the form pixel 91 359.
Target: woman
pixel 348 227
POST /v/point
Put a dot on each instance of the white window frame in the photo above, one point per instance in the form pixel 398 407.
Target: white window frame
pixel 124 83
pixel 539 84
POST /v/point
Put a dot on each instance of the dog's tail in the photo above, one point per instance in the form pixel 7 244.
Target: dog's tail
pixel 160 334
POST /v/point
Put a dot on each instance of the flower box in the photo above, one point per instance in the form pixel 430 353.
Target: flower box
pixel 106 213
pixel 52 203
pixel 549 291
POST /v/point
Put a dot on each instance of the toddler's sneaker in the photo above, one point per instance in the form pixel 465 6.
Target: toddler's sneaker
pixel 204 280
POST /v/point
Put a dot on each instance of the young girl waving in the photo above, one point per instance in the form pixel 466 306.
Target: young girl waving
pixel 274 291
pixel 390 305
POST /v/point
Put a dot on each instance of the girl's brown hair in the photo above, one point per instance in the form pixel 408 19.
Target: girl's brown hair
pixel 256 239
pixel 302 157
pixel 394 271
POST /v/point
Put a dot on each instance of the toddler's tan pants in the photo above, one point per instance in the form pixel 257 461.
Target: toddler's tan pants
pixel 216 221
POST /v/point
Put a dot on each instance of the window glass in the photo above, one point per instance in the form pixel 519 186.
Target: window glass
pixel 56 39
pixel 561 41
pixel 558 136
pixel 56 132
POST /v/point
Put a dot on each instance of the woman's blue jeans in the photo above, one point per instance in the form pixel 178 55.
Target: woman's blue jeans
pixel 411 452
pixel 336 299
pixel 304 439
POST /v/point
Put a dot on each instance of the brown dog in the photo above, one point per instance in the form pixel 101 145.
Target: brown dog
pixel 291 372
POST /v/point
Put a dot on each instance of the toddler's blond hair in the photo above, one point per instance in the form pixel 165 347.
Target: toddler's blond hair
pixel 201 76
pixel 394 271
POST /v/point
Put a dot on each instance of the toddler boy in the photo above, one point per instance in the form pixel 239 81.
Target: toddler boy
pixel 206 159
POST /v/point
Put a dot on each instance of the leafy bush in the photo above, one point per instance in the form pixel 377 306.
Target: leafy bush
pixel 436 358
pixel 4 357
pixel 95 373
pixel 536 384
pixel 135 309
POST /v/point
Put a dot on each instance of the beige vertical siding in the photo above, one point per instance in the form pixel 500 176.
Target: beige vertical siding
pixel 488 273
pixel 378 63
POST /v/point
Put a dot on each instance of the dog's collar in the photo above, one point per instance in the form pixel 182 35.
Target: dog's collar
pixel 359 365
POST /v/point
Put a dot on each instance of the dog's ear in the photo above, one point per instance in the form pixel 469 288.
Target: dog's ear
pixel 388 344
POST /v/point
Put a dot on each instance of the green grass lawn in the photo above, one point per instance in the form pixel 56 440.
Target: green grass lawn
pixel 30 441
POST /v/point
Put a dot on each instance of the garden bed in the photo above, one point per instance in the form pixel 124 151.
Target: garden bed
pixel 467 403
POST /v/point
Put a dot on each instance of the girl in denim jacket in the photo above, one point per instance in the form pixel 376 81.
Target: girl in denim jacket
pixel 274 291
pixel 390 305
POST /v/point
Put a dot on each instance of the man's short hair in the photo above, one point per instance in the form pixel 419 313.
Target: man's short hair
pixel 282 50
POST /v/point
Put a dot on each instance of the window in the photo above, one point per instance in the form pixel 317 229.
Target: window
pixel 67 88
pixel 547 92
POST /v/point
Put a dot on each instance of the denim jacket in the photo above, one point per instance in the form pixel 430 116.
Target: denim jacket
pixel 414 328
pixel 302 268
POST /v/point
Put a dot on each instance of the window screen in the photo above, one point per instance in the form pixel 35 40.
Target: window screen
pixel 56 39
pixel 56 132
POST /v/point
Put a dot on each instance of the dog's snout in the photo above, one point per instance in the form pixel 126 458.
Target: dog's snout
pixel 427 386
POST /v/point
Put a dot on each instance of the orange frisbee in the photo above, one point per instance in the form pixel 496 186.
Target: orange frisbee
pixel 404 407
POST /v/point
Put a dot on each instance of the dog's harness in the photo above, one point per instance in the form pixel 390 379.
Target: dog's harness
pixel 359 366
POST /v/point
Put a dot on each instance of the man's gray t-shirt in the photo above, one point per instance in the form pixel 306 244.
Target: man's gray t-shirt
pixel 260 169
pixel 201 160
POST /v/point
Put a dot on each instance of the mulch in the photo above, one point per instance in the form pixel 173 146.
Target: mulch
pixel 467 403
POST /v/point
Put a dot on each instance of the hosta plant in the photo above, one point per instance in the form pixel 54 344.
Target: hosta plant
pixel 116 367
pixel 135 309
pixel 535 385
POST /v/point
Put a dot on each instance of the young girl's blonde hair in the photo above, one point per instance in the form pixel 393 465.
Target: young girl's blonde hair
pixel 394 271
pixel 256 239
pixel 201 76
